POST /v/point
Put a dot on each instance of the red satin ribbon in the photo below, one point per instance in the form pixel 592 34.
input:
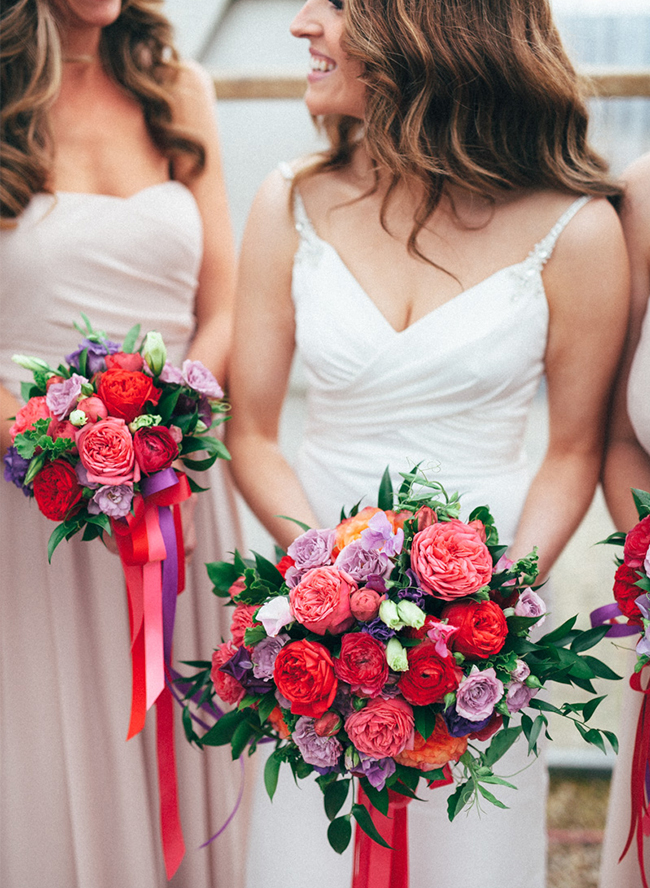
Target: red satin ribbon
pixel 374 865
pixel 640 820
pixel 142 550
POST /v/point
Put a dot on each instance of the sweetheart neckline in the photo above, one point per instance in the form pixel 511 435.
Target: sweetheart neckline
pixel 126 197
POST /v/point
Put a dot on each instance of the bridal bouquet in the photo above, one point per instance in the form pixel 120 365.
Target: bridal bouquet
pixel 94 446
pixel 383 650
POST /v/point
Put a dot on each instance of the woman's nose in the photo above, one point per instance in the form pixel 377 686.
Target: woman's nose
pixel 307 21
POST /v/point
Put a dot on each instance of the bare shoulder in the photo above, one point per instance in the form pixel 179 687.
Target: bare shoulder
pixel 636 202
pixel 270 228
pixel 193 93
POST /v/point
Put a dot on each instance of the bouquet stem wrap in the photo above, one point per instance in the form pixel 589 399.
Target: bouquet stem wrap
pixel 374 865
pixel 150 544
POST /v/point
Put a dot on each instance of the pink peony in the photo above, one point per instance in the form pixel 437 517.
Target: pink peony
pixel 321 600
pixel 35 408
pixel 382 728
pixel 106 452
pixel 451 560
pixel 227 687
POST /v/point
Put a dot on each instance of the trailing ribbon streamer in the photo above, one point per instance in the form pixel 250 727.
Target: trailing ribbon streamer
pixel 150 543
pixel 606 614
pixel 374 865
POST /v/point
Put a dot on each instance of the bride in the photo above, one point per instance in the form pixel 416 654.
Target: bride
pixel 450 247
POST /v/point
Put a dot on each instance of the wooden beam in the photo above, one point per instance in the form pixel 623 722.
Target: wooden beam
pixel 606 82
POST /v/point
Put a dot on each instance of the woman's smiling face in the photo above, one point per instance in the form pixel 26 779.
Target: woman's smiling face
pixel 333 82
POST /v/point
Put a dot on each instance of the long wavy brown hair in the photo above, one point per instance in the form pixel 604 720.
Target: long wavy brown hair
pixel 136 51
pixel 474 93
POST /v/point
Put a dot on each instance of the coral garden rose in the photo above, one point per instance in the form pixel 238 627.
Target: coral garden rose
pixel 124 361
pixel 227 687
pixel 304 674
pixel 440 748
pixel 242 619
pixel 362 664
pixel 125 392
pixel 36 408
pixel 481 625
pixel 364 604
pixel 93 407
pixel 626 593
pixel 450 560
pixel 106 452
pixel 382 728
pixel 321 600
pixel 637 543
pixel 429 675
pixel 57 490
pixel 155 449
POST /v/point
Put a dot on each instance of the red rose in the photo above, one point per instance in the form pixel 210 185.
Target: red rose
pixel 125 392
pixel 482 628
pixel 304 674
pixel 362 664
pixel 626 593
pixel 242 619
pixel 227 687
pixel 284 564
pixel 155 449
pixel 637 543
pixel 124 361
pixel 450 559
pixel 57 490
pixel 429 675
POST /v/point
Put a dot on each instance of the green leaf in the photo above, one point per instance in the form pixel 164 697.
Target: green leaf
pixel 267 571
pixel 363 818
pixel 190 733
pixel 266 705
pixel 425 720
pixel 335 796
pixel 601 670
pixel 199 465
pixel 194 487
pixel 222 575
pixel 501 743
pixel 545 706
pixel 588 639
pixel 57 536
pixel 490 797
pixel 129 340
pixel 242 734
pixel 386 497
pixel 560 633
pixel 591 706
pixel 378 798
pixel 535 731
pixel 594 737
pixel 339 833
pixel 613 739
pixel 641 501
pixel 222 732
pixel 272 772
pixel 253 635
pixel 458 799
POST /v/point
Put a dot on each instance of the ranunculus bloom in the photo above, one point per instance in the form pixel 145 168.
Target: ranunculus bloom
pixel 125 392
pixel 362 664
pixel 155 449
pixel 106 452
pixel 304 674
pixel 450 560
pixel 636 544
pixel 440 748
pixel 35 408
pixel 364 604
pixel 124 361
pixel 429 675
pixel 284 564
pixel 478 693
pixel 57 490
pixel 242 619
pixel 382 728
pixel 227 687
pixel 626 593
pixel 328 724
pixel 482 628
pixel 321 600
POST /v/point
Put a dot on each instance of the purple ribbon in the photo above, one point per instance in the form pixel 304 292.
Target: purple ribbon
pixel 607 612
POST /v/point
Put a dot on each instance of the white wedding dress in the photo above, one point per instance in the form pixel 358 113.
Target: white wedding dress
pixel 453 392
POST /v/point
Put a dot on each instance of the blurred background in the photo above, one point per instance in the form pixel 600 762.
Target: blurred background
pixel 251 37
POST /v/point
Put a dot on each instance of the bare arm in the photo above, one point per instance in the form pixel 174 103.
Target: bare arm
pixel 194 111
pixel 626 462
pixel 262 354
pixel 587 287
pixel 9 406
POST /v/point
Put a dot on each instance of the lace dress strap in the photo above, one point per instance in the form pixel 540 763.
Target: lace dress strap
pixel 543 250
pixel 302 221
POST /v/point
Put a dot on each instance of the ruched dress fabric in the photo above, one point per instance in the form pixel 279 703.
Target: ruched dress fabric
pixel 79 804
pixel 451 392
pixel 627 873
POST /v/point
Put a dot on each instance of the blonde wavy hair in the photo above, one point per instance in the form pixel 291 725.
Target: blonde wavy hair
pixel 474 93
pixel 136 52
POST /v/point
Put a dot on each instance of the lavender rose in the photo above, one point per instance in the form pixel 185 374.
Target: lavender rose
pixel 518 696
pixel 478 693
pixel 323 752
pixel 521 671
pixel 198 377
pixel 62 397
pixel 361 562
pixel 264 655
pixel 377 771
pixel 311 549
pixel 531 605
pixel 112 501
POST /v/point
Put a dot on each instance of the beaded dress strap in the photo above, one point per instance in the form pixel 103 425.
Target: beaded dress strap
pixel 543 250
pixel 301 220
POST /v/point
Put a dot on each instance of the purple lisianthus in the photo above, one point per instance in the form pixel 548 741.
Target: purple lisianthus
pixel 376 771
pixel 323 752
pixel 412 594
pixel 97 352
pixel 240 667
pixel 171 374
pixel 198 377
pixel 379 534
pixel 361 562
pixel 378 629
pixel 62 397
pixel 518 696
pixel 16 469
pixel 112 501
pixel 459 726
pixel 478 693
pixel 530 604
pixel 265 653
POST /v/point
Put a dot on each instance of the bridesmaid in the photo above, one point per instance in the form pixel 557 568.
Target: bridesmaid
pixel 112 203
pixel 442 254
pixel 627 465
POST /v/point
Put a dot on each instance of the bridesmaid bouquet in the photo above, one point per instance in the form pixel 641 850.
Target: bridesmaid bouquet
pixel 94 446
pixel 382 650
